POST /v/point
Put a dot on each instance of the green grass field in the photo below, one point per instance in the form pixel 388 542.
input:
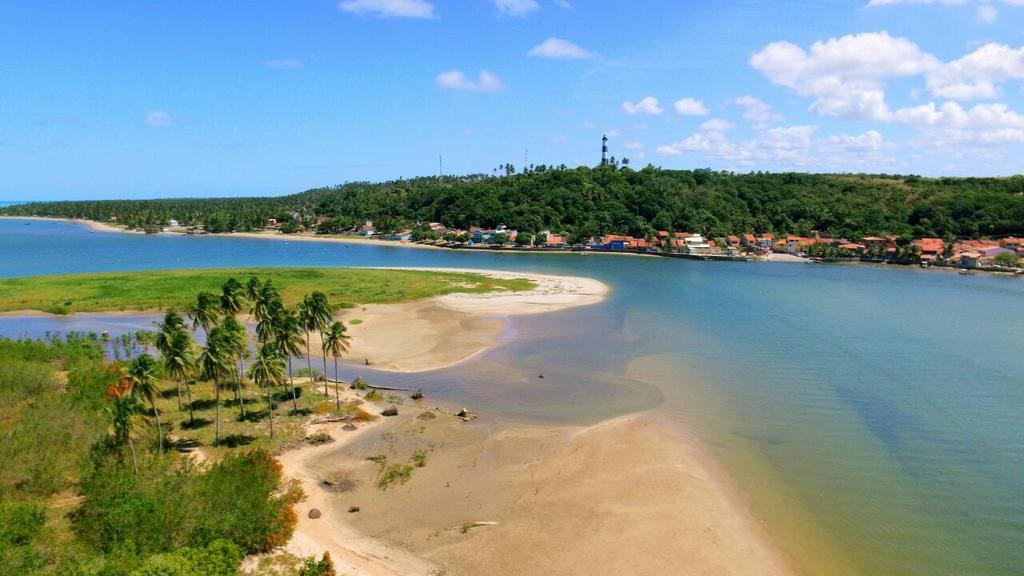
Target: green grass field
pixel 161 289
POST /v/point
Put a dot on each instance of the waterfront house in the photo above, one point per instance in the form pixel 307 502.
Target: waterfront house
pixel 748 241
pixel 797 244
pixel 970 260
pixel 732 240
pixel 875 243
pixel 696 245
pixel 930 248
pixel 554 241
pixel 437 227
pixel 766 241
pixel 367 229
pixel 852 247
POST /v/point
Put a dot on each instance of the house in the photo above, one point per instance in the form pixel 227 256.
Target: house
pixel 437 227
pixel 1011 243
pixel 796 244
pixel 554 241
pixel 879 243
pixel 748 241
pixel 173 224
pixel 732 240
pixel 696 245
pixel 930 248
pixel 970 260
pixel 367 229
pixel 766 241
pixel 852 247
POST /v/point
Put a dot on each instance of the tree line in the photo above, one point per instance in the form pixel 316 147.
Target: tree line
pixel 588 201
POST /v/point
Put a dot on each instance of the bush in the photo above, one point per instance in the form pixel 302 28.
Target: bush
pixel 220 558
pixel 322 567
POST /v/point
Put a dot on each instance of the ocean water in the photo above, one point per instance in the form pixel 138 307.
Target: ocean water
pixel 874 417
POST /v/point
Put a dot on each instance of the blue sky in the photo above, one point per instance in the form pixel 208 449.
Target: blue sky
pixel 146 99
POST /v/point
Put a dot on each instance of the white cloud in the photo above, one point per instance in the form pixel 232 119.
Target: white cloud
pixel 390 8
pixel 756 111
pixel 978 74
pixel 284 64
pixel 516 7
pixel 457 80
pixel 563 4
pixel 559 49
pixel 870 141
pixel 690 107
pixel 987 13
pixel 648 105
pixel 846 77
pixel 158 118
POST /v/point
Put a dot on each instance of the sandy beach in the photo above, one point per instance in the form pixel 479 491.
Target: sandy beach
pixel 627 496
pixel 444 331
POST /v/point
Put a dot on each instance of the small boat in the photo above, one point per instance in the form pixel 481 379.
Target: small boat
pixel 965 272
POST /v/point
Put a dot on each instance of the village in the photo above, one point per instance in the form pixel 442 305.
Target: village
pixel 968 254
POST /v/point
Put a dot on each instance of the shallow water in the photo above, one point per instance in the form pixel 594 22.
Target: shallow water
pixel 873 416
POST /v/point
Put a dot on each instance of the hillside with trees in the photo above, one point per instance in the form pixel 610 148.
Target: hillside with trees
pixel 608 199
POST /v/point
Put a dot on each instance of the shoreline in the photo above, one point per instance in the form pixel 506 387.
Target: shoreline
pixel 782 257
pixel 432 333
pixel 508 498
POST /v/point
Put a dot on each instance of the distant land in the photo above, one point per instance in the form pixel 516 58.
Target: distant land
pixel 584 202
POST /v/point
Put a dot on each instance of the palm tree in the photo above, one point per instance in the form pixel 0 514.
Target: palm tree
pixel 265 308
pixel 216 363
pixel 205 311
pixel 232 297
pixel 268 370
pixel 143 374
pixel 237 341
pixel 166 330
pixel 125 412
pixel 288 339
pixel 314 314
pixel 179 363
pixel 335 341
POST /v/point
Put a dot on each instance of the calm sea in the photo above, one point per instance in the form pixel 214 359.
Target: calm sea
pixel 875 417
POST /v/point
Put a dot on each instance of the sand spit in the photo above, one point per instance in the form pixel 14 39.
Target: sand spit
pixel 625 496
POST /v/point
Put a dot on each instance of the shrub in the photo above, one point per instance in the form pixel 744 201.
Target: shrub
pixel 322 567
pixel 219 558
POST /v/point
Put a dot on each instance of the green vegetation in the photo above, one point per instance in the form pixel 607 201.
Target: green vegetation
pixel 91 484
pixel 589 201
pixel 150 290
pixel 1007 259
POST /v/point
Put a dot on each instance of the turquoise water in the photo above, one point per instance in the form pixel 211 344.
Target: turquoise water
pixel 875 417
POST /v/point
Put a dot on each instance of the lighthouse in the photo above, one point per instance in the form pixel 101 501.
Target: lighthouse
pixel 604 149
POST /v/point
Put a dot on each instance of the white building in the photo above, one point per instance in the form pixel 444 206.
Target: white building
pixel 696 245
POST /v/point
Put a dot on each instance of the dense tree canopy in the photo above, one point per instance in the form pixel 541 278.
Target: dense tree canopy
pixel 588 201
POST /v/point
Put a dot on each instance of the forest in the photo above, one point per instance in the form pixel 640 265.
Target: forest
pixel 584 201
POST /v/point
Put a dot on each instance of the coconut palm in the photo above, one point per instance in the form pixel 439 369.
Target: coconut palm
pixel 238 344
pixel 288 339
pixel 179 356
pixel 268 370
pixel 335 341
pixel 314 315
pixel 265 309
pixel 166 330
pixel 125 410
pixel 144 382
pixel 232 297
pixel 205 311
pixel 217 364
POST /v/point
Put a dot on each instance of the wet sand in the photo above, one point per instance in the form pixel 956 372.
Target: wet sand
pixel 629 495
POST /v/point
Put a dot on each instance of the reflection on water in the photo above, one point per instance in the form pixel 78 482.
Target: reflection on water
pixel 873 416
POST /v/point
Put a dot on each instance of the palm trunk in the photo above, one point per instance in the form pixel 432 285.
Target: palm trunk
pixel 309 358
pixel 191 416
pixel 270 407
pixel 216 387
pixel 238 387
pixel 326 393
pixel 291 380
pixel 337 397
pixel 178 383
pixel 135 462
pixel 159 428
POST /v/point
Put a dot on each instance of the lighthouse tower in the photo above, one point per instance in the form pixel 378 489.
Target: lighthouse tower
pixel 604 149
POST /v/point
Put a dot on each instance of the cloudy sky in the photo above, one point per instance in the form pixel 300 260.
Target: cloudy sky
pixel 143 99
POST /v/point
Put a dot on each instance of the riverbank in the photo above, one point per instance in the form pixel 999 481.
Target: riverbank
pixel 624 496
